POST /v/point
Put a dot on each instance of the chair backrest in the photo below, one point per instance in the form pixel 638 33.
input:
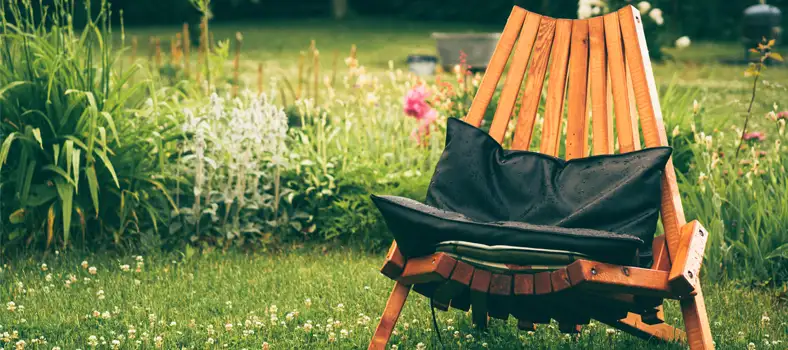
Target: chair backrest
pixel 601 67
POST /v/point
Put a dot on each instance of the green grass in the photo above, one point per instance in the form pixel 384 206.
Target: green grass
pixel 178 299
pixel 277 44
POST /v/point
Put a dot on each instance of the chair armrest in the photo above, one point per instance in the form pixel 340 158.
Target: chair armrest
pixel 684 274
pixel 394 264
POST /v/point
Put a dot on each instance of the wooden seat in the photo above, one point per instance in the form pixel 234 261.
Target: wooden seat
pixel 599 68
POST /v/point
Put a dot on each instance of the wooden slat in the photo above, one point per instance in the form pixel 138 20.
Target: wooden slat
pixel 556 88
pixel 514 78
pixel 533 84
pixel 594 275
pixel 543 283
pixel 394 264
pixel 576 124
pixel 390 316
pixel 601 121
pixel 431 268
pixel 650 113
pixel 685 273
pixel 632 324
pixel 559 279
pixel 495 67
pixel 633 112
pixel 480 286
pixel 523 284
pixel 696 322
pixel 500 294
pixel 618 77
pixel 458 282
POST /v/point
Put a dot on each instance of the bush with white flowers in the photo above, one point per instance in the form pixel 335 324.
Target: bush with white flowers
pixel 233 153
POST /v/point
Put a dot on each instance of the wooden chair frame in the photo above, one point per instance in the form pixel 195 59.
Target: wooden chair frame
pixel 606 64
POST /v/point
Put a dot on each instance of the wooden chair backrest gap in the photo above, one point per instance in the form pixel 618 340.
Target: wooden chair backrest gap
pixel 599 69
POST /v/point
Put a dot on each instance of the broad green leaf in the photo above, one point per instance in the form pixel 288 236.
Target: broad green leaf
pixel 65 191
pixel 37 135
pixel 5 148
pixel 109 166
pixel 90 172
pixel 60 172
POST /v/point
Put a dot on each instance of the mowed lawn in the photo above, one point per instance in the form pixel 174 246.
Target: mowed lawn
pixel 308 299
pixel 298 300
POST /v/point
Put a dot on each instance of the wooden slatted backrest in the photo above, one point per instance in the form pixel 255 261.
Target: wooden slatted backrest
pixel 594 69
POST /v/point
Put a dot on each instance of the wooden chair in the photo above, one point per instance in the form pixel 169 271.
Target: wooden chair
pixel 606 64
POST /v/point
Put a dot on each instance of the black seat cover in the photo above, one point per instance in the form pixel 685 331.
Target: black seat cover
pixel 603 206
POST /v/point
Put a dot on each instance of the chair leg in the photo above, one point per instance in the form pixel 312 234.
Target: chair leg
pixel 390 316
pixel 697 322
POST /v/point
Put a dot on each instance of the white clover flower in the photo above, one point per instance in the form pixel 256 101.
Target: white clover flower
pixel 683 42
pixel 44 267
pixel 420 346
pixel 343 333
pixel 228 327
pixel 48 277
pixel 93 341
pixel 332 337
pixel 644 6
pixel 308 302
pixel 125 268
pixel 656 15
pixel 92 270
pixel 100 294
pixel 11 306
pixel 84 264
pixel 584 11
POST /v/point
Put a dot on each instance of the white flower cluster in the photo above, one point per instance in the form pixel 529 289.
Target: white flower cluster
pixel 590 8
pixel 233 142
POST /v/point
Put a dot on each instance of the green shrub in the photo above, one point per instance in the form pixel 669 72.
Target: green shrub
pixel 72 142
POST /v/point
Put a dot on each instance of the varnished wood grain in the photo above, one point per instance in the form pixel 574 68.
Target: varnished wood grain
pixel 618 279
pixel 496 66
pixel 480 286
pixel 576 122
pixel 645 90
pixel 390 316
pixel 394 263
pixel 556 88
pixel 500 295
pixel 533 84
pixel 431 268
pixel 514 78
pixel 618 79
pixel 685 273
pixel 601 121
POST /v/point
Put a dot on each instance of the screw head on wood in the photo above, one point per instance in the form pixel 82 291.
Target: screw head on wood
pixel 625 270
pixel 701 233
pixel 593 271
pixel 690 274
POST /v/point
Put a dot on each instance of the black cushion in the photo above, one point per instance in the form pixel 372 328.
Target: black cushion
pixel 602 206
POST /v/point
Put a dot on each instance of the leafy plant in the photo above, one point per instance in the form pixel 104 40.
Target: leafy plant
pixel 72 143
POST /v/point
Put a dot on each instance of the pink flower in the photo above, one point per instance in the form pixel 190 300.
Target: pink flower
pixel 754 136
pixel 416 106
pixel 782 115
pixel 416 102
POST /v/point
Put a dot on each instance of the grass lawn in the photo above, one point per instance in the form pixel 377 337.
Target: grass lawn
pixel 240 301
